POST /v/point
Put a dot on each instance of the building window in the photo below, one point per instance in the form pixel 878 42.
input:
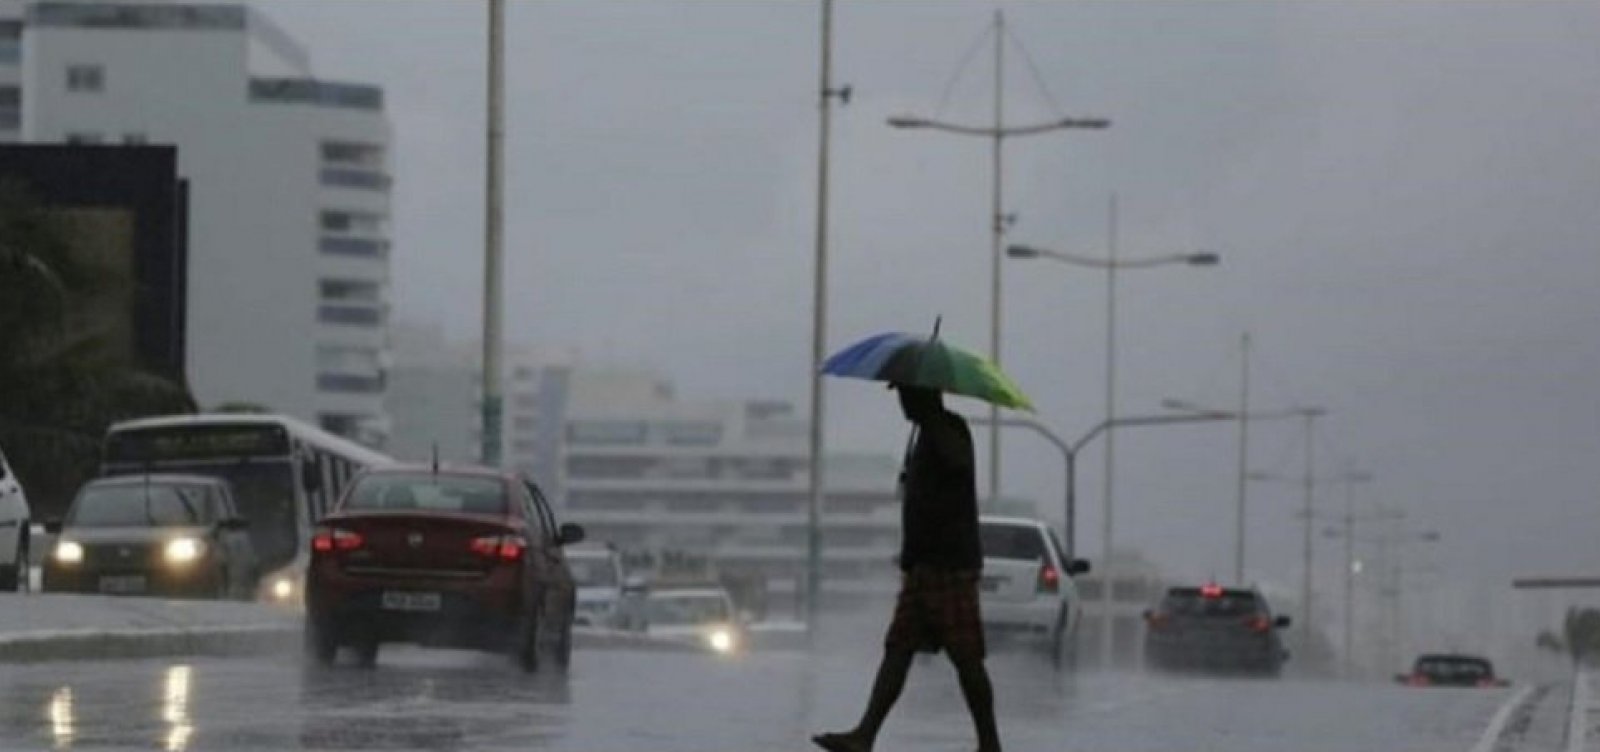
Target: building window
pixel 350 291
pixel 10 42
pixel 686 433
pixel 83 139
pixel 523 423
pixel 607 432
pixel 364 222
pixel 360 247
pixel 86 78
pixel 349 358
pixel 352 154
pixel 10 106
pixel 349 315
pixel 347 384
pixel 345 177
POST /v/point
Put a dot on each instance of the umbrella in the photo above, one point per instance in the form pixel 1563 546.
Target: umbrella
pixel 929 362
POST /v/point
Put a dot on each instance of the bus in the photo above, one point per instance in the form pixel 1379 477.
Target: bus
pixel 286 474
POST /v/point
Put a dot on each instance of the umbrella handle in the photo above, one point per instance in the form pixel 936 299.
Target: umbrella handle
pixel 937 321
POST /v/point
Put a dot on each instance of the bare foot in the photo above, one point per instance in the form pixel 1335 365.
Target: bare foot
pixel 842 742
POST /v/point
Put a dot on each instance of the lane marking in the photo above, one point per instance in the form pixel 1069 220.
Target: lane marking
pixel 1497 724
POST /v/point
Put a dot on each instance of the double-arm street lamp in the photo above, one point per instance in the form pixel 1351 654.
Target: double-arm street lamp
pixel 1069 453
pixel 1111 264
pixel 997 133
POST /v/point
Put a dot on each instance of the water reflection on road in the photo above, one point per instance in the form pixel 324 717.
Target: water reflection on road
pixel 662 702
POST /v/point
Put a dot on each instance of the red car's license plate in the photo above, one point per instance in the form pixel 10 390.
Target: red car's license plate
pixel 404 601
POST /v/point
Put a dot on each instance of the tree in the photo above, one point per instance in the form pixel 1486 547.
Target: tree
pixel 62 382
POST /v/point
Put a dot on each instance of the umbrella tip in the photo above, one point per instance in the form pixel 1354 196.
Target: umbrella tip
pixel 937 321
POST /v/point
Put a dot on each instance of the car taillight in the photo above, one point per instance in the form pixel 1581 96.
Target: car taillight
pixel 1049 578
pixel 502 547
pixel 1488 683
pixel 1417 680
pixel 1258 624
pixel 1156 621
pixel 334 539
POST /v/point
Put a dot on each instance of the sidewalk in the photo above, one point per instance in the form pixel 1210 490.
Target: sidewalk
pixel 1583 720
pixel 63 627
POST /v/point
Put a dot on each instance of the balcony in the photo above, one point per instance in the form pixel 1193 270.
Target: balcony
pixel 355 177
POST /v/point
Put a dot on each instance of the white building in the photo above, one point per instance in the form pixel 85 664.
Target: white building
pixel 722 481
pixel 288 187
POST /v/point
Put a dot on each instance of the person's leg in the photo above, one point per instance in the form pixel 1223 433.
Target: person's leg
pixel 891 679
pixel 979 693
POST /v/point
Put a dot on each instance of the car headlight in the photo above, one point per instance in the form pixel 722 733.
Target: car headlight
pixel 183 550
pixel 69 552
pixel 720 640
pixel 282 588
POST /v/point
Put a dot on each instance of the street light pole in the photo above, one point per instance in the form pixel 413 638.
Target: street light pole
pixel 996 234
pixel 819 322
pixel 1310 418
pixel 1108 586
pixel 493 241
pixel 997 132
pixel 1244 461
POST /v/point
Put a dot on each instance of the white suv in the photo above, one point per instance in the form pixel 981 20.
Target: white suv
pixel 1027 592
pixel 599 576
pixel 14 516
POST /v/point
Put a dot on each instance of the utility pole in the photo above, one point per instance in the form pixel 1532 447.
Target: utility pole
pixel 819 323
pixel 1108 598
pixel 1309 482
pixel 1239 529
pixel 493 241
pixel 997 233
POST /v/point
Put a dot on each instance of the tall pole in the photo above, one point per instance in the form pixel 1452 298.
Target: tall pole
pixel 997 230
pixel 1349 571
pixel 493 251
pixel 819 320
pixel 1239 530
pixel 1305 583
pixel 1107 596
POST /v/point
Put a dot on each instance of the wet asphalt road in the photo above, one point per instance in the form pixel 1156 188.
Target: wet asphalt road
pixel 618 701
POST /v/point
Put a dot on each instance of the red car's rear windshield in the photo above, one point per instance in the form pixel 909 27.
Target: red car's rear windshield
pixel 426 492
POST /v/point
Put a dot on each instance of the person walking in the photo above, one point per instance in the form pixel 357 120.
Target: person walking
pixel 940 560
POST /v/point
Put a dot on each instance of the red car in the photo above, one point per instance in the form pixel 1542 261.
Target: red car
pixel 460 558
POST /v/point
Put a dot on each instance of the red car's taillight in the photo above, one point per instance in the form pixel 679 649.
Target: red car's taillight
pixel 1417 680
pixel 335 539
pixel 502 547
pixel 1156 621
pixel 1049 578
pixel 1258 623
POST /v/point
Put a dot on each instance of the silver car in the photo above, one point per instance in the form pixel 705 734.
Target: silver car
pixel 14 515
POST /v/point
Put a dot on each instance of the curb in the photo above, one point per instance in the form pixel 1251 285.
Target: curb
pixel 261 639
pixel 31 647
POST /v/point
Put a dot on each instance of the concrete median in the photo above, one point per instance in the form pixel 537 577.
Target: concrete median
pixel 53 627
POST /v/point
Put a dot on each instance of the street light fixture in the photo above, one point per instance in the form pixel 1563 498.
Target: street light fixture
pixel 1110 264
pixel 997 133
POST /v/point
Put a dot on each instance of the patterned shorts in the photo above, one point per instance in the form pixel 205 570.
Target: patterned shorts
pixel 937 610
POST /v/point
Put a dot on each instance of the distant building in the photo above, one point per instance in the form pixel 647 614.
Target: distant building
pixel 722 483
pixel 715 487
pixel 288 176
pixel 122 212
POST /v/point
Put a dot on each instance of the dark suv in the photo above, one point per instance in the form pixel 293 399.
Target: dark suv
pixel 1212 628
pixel 1451 670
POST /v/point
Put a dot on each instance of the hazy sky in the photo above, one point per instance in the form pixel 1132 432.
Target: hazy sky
pixel 1405 197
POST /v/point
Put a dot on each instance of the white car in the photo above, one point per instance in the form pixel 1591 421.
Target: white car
pixel 703 616
pixel 1027 593
pixel 598 575
pixel 14 516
